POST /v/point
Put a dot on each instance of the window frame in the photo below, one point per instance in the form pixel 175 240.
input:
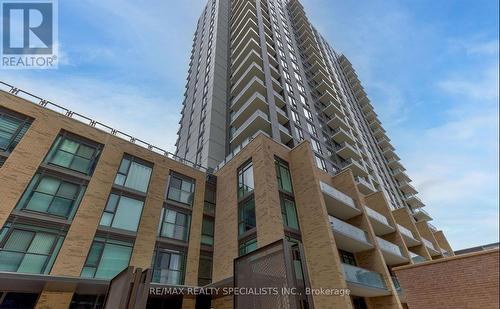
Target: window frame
pixel 133 159
pixel 24 124
pixel 183 179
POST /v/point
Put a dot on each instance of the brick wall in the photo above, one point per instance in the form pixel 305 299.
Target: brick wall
pixel 463 281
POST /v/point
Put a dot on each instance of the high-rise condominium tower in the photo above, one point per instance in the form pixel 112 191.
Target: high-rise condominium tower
pixel 260 66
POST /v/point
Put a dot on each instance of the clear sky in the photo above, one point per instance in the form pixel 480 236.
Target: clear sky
pixel 430 68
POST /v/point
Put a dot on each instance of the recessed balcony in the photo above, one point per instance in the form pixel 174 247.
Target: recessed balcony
pixel 392 253
pixel 279 100
pixel 285 134
pixel 282 116
pixel 259 121
pixel 430 247
pixel 356 168
pixel 254 103
pixel 414 201
pixel 416 258
pixel 364 186
pixel 421 215
pixel 340 136
pixel 407 188
pixel 363 282
pixel 338 204
pixel 348 237
pixel 408 236
pixel 380 223
pixel 346 151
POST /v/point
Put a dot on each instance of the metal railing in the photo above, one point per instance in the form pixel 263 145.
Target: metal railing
pixel 95 124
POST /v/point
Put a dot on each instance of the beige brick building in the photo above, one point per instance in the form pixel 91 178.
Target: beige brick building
pixel 79 202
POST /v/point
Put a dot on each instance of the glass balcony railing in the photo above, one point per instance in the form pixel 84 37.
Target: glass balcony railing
pixel 364 277
pixel 344 198
pixel 428 244
pixel 348 230
pixel 389 247
pixel 405 231
pixel 376 215
pixel 416 258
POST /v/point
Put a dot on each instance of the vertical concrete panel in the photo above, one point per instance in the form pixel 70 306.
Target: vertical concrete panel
pixel 54 300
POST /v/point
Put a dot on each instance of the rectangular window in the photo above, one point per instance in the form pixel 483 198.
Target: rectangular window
pixel 315 145
pixel 246 216
pixel 74 153
pixel 174 224
pixel 133 174
pixel 347 258
pixel 180 189
pixel 308 114
pixel 53 196
pixel 312 129
pixel 320 163
pixel 122 212
pixel 295 117
pixel 168 267
pixel 300 134
pixel 283 175
pixel 106 258
pixel 28 249
pixel 207 231
pixel 12 129
pixel 245 180
pixel 205 270
pixel 248 246
pixel 289 213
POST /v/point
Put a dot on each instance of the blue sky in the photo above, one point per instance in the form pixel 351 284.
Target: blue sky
pixel 429 67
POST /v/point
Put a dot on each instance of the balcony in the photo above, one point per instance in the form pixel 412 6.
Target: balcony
pixel 255 85
pixel 407 188
pixel 364 186
pixel 332 108
pixel 363 282
pixel 379 132
pixel 340 136
pixel 327 97
pixel 336 121
pixel 243 61
pixel 259 121
pixel 399 174
pixel 379 222
pixel 414 201
pixel 346 151
pixel 356 168
pixel 253 70
pixel 394 163
pixel 285 134
pixel 408 236
pixel 383 142
pixel 430 247
pixel 337 203
pixel 392 253
pixel 254 103
pixel 374 124
pixel 421 215
pixel 348 237
pixel 416 258
pixel 282 116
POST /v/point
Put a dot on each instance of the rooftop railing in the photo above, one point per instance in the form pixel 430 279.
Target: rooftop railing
pixel 95 124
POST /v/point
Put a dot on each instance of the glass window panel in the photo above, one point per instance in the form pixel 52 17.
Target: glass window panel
pixel 112 202
pixel 67 190
pixel 114 259
pixel 164 260
pixel 120 179
pixel 85 151
pixel 138 177
pixel 9 261
pixel 88 272
pixel 60 207
pixel 39 202
pixel 106 219
pixel 128 214
pixel 62 158
pixel 175 262
pixel 175 183
pixel 19 240
pixel 42 243
pixel 48 185
pixel 179 233
pixel 69 146
pixel 168 230
pixel 80 164
pixel 32 263
pixel 124 166
pixel 170 216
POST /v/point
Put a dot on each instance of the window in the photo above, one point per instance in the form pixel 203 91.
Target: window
pixel 82 301
pixel 248 246
pixel 168 267
pixel 299 133
pixel 347 258
pixel 289 213
pixel 207 231
pixel 28 249
pixel 308 114
pixel 180 189
pixel 133 174
pixel 12 130
pixel 320 163
pixel 246 215
pixel 107 258
pixel 73 153
pixel 312 129
pixel 315 145
pixel 205 270
pixel 122 212
pixel 245 179
pixel 174 224
pixel 295 117
pixel 50 195
pixel 283 174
